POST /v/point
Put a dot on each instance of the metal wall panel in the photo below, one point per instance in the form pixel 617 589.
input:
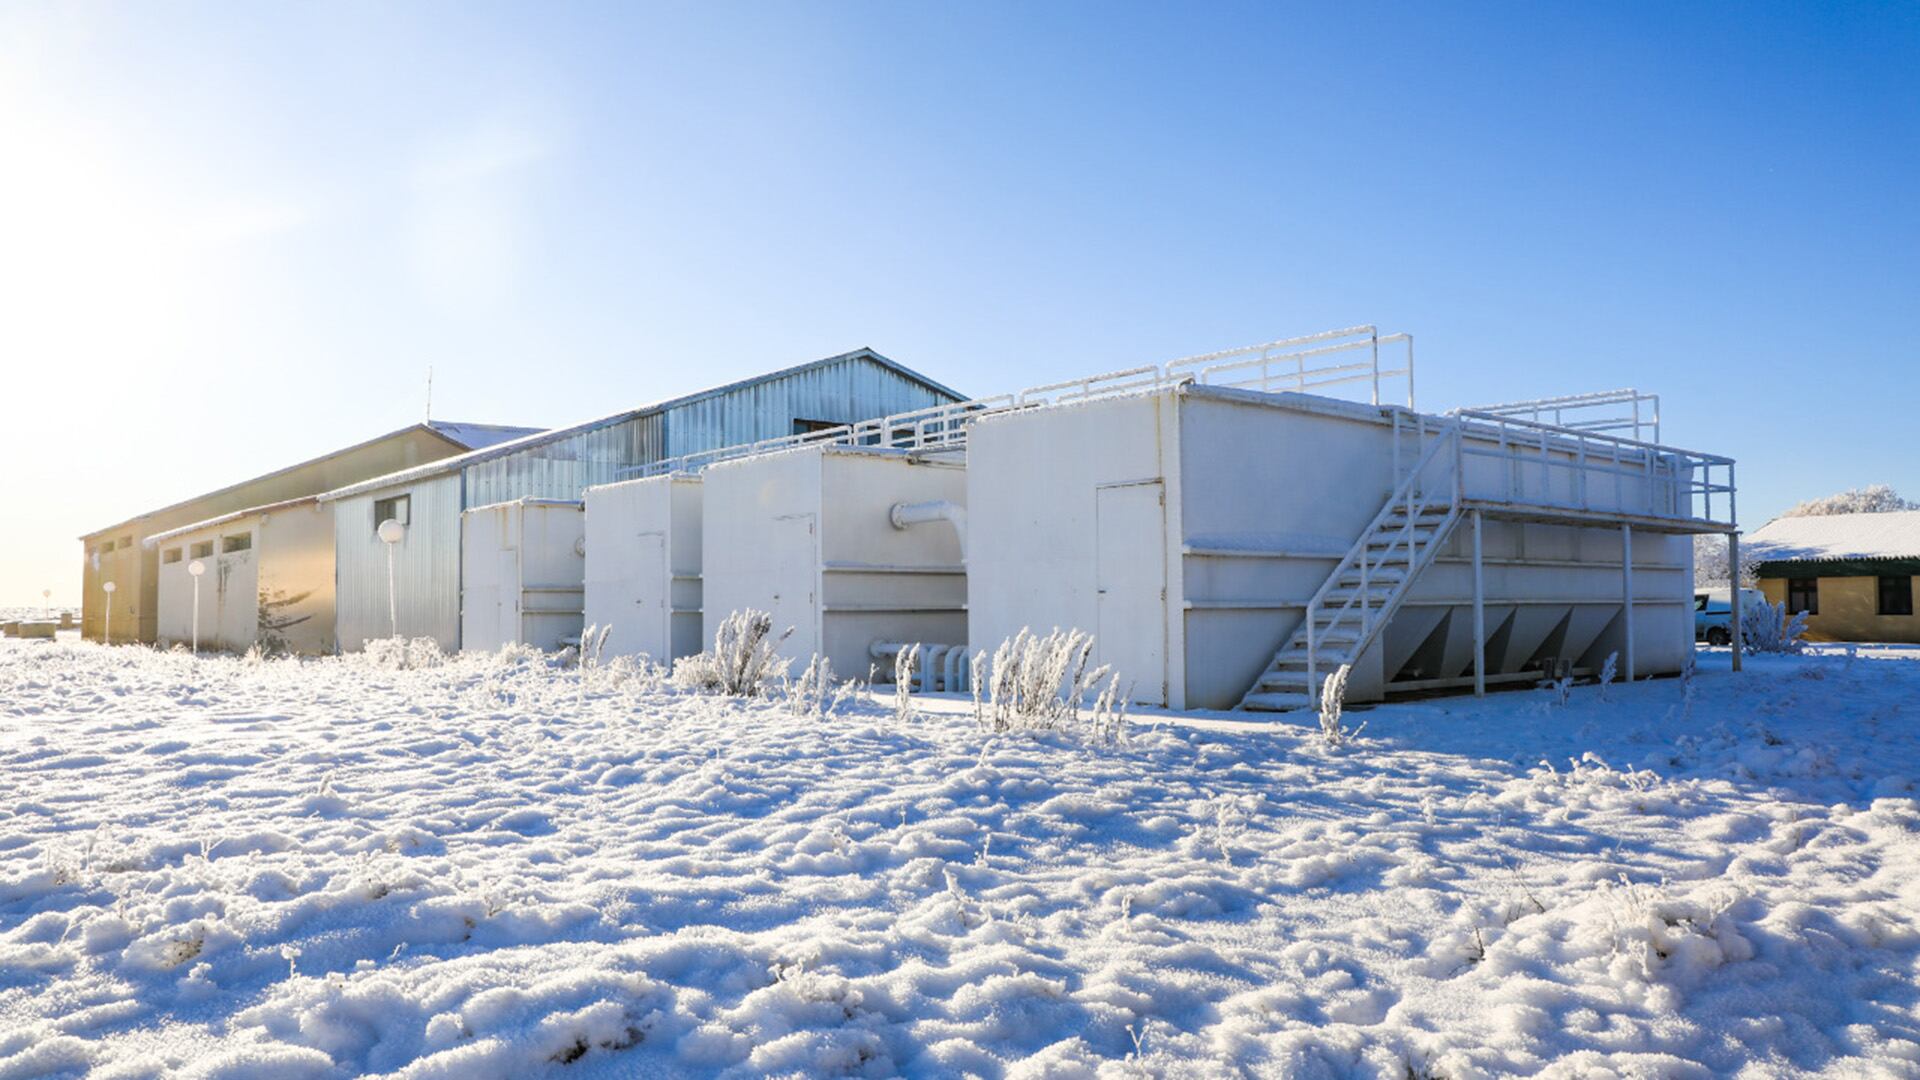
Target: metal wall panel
pixel 426 565
pixel 565 468
pixel 843 392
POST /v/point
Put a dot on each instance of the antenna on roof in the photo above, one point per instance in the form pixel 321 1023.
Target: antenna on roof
pixel 429 393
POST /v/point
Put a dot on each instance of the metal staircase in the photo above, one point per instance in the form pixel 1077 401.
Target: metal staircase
pixel 1369 583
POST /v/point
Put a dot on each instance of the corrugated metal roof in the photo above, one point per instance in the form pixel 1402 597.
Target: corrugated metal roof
pixel 1893 535
pixel 471 436
pixel 513 446
pixel 268 508
pixel 480 436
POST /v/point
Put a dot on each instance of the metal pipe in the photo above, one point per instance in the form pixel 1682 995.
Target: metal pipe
pixel 1626 587
pixel 1479 616
pixel 905 515
pixel 1733 575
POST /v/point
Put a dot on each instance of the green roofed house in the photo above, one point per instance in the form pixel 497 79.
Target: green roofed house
pixel 1853 574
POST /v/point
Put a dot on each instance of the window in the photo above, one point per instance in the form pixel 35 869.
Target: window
pixel 171 555
pixel 802 426
pixel 1699 601
pixel 203 549
pixel 1803 594
pixel 236 542
pixel 126 542
pixel 399 508
pixel 1896 596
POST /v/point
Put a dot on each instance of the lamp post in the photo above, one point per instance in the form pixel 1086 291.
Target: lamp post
pixel 46 603
pixel 106 628
pixel 391 533
pixel 196 568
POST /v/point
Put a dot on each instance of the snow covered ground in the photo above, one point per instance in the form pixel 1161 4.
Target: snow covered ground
pixel 226 868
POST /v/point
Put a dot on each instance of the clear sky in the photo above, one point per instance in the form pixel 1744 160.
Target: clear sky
pixel 235 236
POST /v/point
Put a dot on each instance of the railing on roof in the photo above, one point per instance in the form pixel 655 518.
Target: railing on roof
pixel 1301 364
pixel 1631 412
pixel 1553 467
pixel 1297 364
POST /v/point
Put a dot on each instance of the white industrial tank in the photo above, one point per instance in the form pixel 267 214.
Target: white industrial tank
pixel 643 566
pixel 850 547
pixel 1191 529
pixel 522 574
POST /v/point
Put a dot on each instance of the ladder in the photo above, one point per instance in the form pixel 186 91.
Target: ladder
pixel 1366 588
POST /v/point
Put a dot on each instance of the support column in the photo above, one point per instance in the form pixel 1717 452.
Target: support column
pixel 1479 616
pixel 1626 591
pixel 1733 579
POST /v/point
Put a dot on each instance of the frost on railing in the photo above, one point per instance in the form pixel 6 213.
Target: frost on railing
pixel 1626 412
pixel 1314 362
pixel 1526 463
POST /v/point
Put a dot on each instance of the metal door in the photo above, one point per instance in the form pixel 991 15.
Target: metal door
pixel 1130 571
pixel 793 564
pixel 648 598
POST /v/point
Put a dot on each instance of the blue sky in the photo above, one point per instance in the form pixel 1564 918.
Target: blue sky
pixel 235 236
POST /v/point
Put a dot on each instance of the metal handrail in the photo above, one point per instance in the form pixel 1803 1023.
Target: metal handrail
pixel 1410 493
pixel 1689 476
pixel 945 426
pixel 1554 410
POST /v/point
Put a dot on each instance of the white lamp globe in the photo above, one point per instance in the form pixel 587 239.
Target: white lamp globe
pixel 109 586
pixel 196 568
pixel 392 531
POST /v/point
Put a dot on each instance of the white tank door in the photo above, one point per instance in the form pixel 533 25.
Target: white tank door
pixel 1130 572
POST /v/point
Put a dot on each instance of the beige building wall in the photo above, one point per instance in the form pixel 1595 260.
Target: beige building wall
pixel 1849 611
pixel 116 554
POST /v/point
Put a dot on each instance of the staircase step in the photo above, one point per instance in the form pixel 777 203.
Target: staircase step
pixel 1296 660
pixel 1375 590
pixel 1276 702
pixel 1395 537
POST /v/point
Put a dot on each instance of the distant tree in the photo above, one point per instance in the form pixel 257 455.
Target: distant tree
pixel 1875 499
pixel 1710 563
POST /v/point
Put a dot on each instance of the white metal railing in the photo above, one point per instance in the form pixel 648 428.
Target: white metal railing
pixel 1285 365
pixel 1562 468
pixel 1629 412
pixel 1311 362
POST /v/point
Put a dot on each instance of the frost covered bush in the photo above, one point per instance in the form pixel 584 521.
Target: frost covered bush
pixel 1039 683
pixel 1333 701
pixel 904 667
pixel 1873 499
pixel 816 693
pixel 405 654
pixel 742 661
pixel 1765 628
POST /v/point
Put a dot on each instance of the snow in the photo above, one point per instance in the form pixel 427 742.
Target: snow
pixel 496 867
pixel 1890 535
pixel 480 436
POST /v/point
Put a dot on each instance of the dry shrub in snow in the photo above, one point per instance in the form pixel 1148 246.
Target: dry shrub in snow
pixel 1765 628
pixel 816 693
pixel 1333 701
pixel 742 661
pixel 904 666
pixel 405 654
pixel 1039 683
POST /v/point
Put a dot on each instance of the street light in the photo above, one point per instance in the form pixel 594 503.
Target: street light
pixel 391 533
pixel 46 602
pixel 106 628
pixel 196 568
